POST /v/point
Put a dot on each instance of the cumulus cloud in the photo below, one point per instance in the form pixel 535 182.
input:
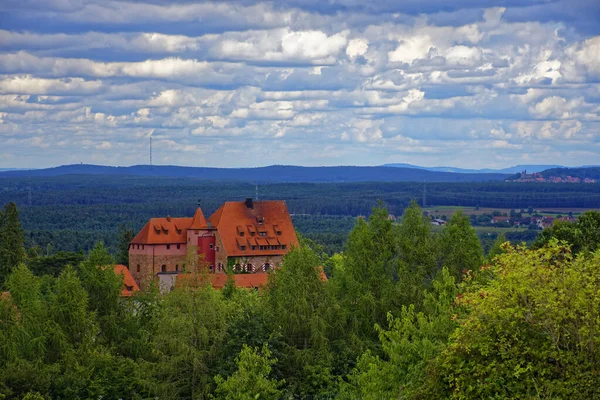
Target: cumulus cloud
pixel 226 79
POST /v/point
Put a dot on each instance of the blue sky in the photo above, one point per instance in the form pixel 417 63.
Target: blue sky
pixel 473 83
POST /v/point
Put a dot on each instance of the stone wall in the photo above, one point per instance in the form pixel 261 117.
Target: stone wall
pixel 145 267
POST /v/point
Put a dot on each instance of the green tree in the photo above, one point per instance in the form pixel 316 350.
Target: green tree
pixel 251 380
pixel 188 341
pixel 366 288
pixel 416 255
pixel 459 247
pixel 12 251
pixel 298 307
pixel 532 332
pixel 583 235
pixel 409 344
pixel 496 248
pixel 126 235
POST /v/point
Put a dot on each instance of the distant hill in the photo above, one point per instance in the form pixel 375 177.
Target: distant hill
pixel 510 170
pixel 274 173
pixel 583 172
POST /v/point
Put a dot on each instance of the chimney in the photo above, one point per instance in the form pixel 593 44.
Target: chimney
pixel 169 218
pixel 249 202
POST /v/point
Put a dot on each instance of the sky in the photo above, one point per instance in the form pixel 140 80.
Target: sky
pixel 241 83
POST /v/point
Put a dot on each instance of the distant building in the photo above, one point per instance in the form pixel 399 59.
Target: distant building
pixel 249 236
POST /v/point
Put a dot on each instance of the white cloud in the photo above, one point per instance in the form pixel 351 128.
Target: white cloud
pixel 346 81
pixel 357 47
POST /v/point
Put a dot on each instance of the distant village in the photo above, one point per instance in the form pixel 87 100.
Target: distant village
pixel 537 177
pixel 514 219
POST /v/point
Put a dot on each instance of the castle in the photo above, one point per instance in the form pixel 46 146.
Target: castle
pixel 250 237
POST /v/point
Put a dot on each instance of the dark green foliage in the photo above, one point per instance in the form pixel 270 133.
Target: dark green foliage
pixel 459 248
pixel 391 322
pixel 53 264
pixel 126 235
pixel 251 379
pixel 12 251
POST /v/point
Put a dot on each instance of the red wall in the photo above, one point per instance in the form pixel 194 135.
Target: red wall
pixel 204 244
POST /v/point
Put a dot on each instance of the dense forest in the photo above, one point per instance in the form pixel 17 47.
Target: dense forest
pixel 405 313
pixel 73 212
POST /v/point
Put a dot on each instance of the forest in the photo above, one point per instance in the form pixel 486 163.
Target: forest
pixel 405 313
pixel 73 212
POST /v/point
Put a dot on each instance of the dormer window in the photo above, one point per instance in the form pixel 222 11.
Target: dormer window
pixel 242 247
pixel 252 233
pixel 283 246
pixel 262 233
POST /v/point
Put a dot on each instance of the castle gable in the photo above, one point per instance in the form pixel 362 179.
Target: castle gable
pixel 255 228
pixel 164 231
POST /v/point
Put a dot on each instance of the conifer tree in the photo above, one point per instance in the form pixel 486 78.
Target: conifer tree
pixel 12 251
pixel 126 235
pixel 459 247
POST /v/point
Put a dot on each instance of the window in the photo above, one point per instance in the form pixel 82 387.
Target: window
pixel 252 233
pixel 242 247
pixel 211 267
pixel 283 246
pixel 176 267
pixel 138 268
pixel 163 268
pixel 142 247
pixel 262 233
pixel 178 246
pixel 253 247
pixel 211 246
pixel 168 246
pixel 242 233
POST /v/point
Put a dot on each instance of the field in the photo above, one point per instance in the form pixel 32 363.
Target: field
pixel 448 211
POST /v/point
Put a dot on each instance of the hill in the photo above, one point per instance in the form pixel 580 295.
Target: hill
pixel 270 174
pixel 510 170
pixel 582 173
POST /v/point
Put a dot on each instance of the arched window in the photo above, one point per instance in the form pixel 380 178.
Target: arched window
pixel 266 267
pixel 251 267
pixel 163 268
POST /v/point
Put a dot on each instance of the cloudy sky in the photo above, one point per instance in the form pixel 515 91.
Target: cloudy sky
pixel 466 83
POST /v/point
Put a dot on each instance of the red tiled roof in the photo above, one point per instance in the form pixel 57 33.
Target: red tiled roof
pixel 198 221
pixel 163 231
pixel 129 285
pixel 233 215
